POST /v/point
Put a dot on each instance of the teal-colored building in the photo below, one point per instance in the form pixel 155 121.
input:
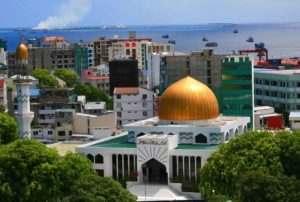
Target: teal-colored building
pixel 237 97
pixel 84 58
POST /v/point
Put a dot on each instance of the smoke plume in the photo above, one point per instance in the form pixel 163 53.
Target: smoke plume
pixel 67 14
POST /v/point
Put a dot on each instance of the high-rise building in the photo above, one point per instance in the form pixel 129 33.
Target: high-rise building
pixel 278 88
pixel 84 58
pixel 100 50
pixel 205 66
pixel 237 91
pixel 123 73
pixel 22 82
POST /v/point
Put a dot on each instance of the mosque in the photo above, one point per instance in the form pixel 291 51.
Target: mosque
pixel 177 143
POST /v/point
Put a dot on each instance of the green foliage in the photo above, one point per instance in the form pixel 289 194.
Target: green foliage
pixel 2 108
pixel 272 154
pixel 29 171
pixel 8 129
pixel 95 188
pixel 93 94
pixel 45 78
pixel 66 75
pixel 261 187
pixel 218 198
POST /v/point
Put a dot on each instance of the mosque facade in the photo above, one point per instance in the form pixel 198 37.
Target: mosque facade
pixel 176 143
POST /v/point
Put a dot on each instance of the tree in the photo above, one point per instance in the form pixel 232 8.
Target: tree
pixel 95 188
pixel 45 78
pixel 29 171
pixel 253 151
pixel 261 187
pixel 8 129
pixel 66 75
pixel 93 94
pixel 2 108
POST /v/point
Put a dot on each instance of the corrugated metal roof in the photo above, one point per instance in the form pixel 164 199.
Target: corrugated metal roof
pixel 126 90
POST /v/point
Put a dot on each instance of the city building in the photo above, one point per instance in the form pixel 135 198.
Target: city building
pixel 237 97
pixel 89 77
pixel 265 118
pixel 204 66
pixel 100 50
pixel 54 111
pixel 3 58
pixel 100 126
pixel 23 114
pixel 176 144
pixel 84 58
pixel 132 104
pixel 3 93
pixel 123 73
pixel 137 49
pixel 278 88
pixel 294 119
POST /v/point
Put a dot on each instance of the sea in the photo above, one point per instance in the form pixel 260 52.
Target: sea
pixel 282 40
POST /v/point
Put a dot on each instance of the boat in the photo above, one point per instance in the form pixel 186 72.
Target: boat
pixel 235 31
pixel 165 36
pixel 250 39
pixel 172 41
pixel 211 44
pixel 204 39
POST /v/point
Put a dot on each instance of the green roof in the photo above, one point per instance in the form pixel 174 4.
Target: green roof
pixel 65 110
pixel 198 147
pixel 122 142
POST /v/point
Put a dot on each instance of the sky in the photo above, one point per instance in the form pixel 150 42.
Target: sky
pixel 63 13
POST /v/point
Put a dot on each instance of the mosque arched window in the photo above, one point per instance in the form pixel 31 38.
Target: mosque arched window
pixel 98 158
pixel 227 137
pixel 236 132
pixel 200 138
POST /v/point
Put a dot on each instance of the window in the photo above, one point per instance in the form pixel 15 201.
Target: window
pixel 50 132
pixel 240 59
pixel 145 113
pixel 70 133
pixel 118 96
pixel 98 158
pixel 119 114
pixel 61 133
pixel 35 132
pixel 200 138
pixel 208 63
pixel 144 96
pixel 232 59
pixel 208 72
pixel 144 104
pixel 90 157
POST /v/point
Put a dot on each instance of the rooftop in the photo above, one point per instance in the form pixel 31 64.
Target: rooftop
pixel 94 105
pixel 64 148
pixel 283 72
pixel 122 142
pixel 126 90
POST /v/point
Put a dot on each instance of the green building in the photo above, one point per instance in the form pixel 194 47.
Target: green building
pixel 84 58
pixel 237 98
pixel 3 44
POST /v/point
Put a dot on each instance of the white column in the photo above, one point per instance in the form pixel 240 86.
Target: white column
pixel 128 164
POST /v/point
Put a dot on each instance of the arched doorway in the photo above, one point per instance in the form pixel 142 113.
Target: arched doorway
pixel 154 172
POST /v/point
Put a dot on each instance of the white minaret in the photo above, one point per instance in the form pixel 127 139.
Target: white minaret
pixel 22 82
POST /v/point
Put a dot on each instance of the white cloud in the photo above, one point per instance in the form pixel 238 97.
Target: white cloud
pixel 67 14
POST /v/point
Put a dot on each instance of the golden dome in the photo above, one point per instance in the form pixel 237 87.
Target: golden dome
pixel 188 99
pixel 22 52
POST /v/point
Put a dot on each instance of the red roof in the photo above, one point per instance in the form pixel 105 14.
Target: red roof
pixel 1 83
pixel 126 90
